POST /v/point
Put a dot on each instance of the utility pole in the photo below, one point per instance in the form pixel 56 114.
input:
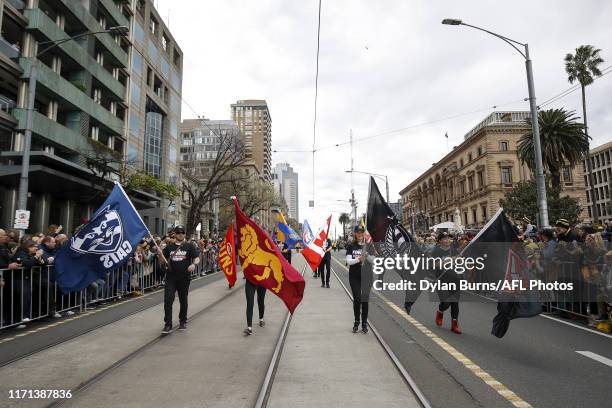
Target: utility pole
pixel 353 202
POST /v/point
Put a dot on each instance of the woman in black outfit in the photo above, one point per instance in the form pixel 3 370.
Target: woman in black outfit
pixel 448 298
pixel 355 256
pixel 249 291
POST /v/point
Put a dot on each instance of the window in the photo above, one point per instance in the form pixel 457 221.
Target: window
pixel 462 187
pixel 149 77
pixel 483 211
pixel 479 150
pixel 503 146
pixel 140 8
pixel 135 93
pixel 138 33
pixel 506 175
pixel 153 25
pixel 469 157
pixel 153 143
pixel 474 215
pixel 460 163
pixel 567 175
pixel 166 43
pixel 471 183
pixel 136 63
pixel 481 182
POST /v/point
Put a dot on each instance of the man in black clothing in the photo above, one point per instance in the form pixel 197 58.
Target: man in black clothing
pixel 564 232
pixel 325 263
pixel 182 258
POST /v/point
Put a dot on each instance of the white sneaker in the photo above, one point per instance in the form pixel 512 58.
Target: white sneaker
pixel 25 320
pixel 57 315
pixel 69 313
pixel 21 326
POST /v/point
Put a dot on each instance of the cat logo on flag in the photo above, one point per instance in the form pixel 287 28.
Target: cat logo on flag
pixel 253 253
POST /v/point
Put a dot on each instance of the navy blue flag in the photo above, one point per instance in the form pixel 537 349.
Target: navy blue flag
pixel 103 244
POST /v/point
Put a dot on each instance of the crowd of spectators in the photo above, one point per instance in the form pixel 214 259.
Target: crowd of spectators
pixel 28 288
pixel 581 254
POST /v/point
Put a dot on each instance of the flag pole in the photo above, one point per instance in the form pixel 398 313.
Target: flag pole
pixel 159 251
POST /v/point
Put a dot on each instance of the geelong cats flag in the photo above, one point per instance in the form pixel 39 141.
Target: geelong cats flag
pixel 103 244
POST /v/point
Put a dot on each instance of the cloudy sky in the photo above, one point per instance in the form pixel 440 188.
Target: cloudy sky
pixel 386 66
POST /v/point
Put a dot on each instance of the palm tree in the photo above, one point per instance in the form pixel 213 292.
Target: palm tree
pixel 344 219
pixel 563 143
pixel 582 67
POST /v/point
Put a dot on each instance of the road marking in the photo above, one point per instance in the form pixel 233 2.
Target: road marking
pixel 500 388
pixel 89 313
pixel 576 326
pixel 596 357
pixel 556 319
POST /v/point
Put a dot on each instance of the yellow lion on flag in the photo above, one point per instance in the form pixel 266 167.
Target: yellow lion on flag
pixel 252 253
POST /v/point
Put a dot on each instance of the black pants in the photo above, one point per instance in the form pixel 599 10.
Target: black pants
pixel 249 291
pixel 176 284
pixel 325 263
pixel 359 307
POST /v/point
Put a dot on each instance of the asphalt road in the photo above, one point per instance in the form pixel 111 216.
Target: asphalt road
pixel 12 347
pixel 537 359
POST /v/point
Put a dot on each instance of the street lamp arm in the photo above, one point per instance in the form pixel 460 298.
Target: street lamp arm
pixel 509 41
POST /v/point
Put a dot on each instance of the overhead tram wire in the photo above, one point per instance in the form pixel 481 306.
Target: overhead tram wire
pixel 573 88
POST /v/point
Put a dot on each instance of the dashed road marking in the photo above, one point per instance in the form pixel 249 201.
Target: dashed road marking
pixel 500 388
pixel 596 357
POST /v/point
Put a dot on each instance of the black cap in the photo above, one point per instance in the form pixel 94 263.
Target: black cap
pixel 358 228
pixel 179 229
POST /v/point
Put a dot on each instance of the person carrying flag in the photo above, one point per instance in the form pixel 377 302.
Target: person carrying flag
pixel 355 256
pixel 325 264
pixel 182 258
pixel 448 298
pixel 249 291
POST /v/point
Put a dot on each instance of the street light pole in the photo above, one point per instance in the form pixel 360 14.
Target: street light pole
pixel 537 147
pixel 22 201
pixel 380 176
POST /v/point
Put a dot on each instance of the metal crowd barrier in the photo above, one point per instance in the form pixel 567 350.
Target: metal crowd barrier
pixel 29 295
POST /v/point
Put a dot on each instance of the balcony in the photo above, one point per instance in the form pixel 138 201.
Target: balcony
pixel 53 132
pixel 41 23
pixel 17 4
pixel 83 15
pixel 66 91
pixel 115 12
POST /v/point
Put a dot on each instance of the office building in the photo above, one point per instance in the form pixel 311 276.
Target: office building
pixel 255 124
pixel 286 184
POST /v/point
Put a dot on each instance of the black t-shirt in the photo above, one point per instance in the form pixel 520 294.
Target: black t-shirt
pixel 355 251
pixel 180 257
pixel 326 246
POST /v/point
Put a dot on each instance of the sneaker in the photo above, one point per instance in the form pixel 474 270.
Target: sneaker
pixel 69 313
pixel 248 331
pixel 21 326
pixel 57 315
pixel 356 327
pixel 364 328
pixel 327 285
pixel 25 320
pixel 167 329
pixel 183 326
pixel 322 285
pixel 262 323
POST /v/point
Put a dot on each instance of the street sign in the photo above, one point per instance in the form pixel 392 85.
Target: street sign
pixel 22 219
pixel 311 203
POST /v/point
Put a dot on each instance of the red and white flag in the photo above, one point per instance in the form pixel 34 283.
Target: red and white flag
pixel 313 244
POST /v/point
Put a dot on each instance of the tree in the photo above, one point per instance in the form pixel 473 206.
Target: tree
pixel 522 201
pixel 563 143
pixel 344 219
pixel 254 196
pixel 107 164
pixel 221 170
pixel 582 67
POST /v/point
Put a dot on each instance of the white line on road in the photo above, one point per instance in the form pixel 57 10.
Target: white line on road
pixel 576 326
pixel 596 357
